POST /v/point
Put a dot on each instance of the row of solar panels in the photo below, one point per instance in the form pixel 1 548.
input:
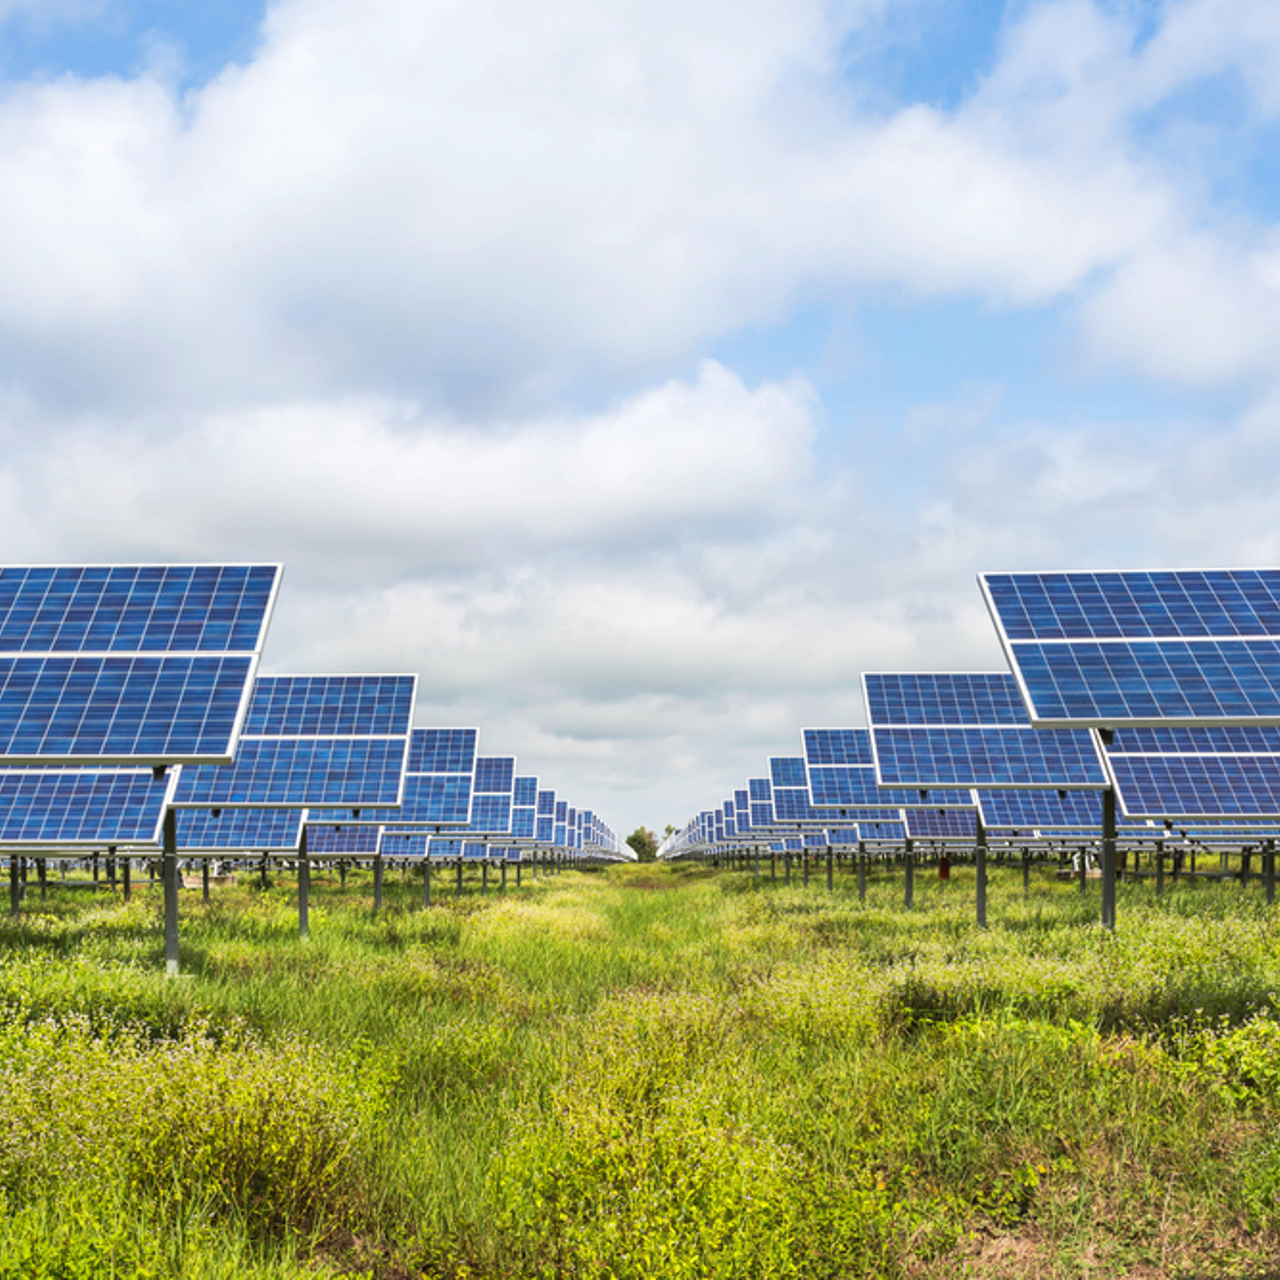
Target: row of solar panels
pixel 128 692
pixel 1163 688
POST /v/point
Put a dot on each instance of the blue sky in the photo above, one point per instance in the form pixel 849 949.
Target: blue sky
pixel 640 374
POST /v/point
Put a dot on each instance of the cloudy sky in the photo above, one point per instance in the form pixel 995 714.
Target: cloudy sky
pixel 640 372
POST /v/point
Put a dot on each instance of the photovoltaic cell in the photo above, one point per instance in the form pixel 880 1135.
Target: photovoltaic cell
pixel 1197 740
pixel 895 832
pixel 128 664
pixel 855 786
pixel 525 794
pixel 787 771
pixel 73 807
pixel 491 813
pixel 524 823
pixel 442 750
pixel 495 774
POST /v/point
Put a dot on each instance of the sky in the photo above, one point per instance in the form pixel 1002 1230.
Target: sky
pixel 641 373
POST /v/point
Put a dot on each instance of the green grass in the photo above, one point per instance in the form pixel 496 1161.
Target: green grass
pixel 649 1071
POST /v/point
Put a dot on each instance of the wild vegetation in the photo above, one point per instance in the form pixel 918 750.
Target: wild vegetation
pixel 646 1071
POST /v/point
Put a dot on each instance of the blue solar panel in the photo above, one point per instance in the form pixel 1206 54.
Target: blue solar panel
pixel 988 758
pixel 761 815
pixel 495 774
pixel 851 786
pixel 270 772
pixel 942 824
pixel 562 811
pixel 760 790
pixel 56 807
pixel 490 813
pixel 403 845
pixel 120 710
pixel 430 799
pixel 546 804
pixel 524 823
pixel 247 830
pixel 526 793
pixel 135 608
pixel 128 665
pixel 330 706
pixel 788 771
pixel 1198 786
pixel 791 804
pixel 1201 740
pixel 442 750
pixel 1118 682
pixel 1136 605
pixel 1032 810
pixel 895 831
pixel 351 839
pixel 943 698
pixel 837 746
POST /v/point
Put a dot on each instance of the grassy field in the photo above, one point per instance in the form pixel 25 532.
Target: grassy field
pixel 642 1072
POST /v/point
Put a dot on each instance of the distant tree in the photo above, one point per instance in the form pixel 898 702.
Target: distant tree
pixel 645 843
pixel 670 831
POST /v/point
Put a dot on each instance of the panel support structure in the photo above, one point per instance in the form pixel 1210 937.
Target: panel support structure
pixel 1109 859
pixel 304 885
pixel 980 864
pixel 169 878
pixel 910 864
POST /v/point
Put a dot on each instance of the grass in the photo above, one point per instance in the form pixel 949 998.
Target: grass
pixel 646 1071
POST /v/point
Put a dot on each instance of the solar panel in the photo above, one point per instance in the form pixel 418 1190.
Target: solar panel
pixel 525 794
pixel 1132 649
pixel 353 839
pixel 837 746
pixel 1204 786
pixel 895 832
pixel 938 729
pixel 942 824
pixel 247 830
pixel 1025 810
pixel 78 807
pixel 855 786
pixel 128 664
pixel 436 793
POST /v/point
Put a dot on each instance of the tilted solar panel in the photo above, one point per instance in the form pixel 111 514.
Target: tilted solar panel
pixel 1133 649
pixel 525 794
pixel 524 823
pixel 943 698
pixel 942 824
pixel 442 750
pixel 128 664
pixel 837 746
pixel 239 830
pixel 298 757
pixel 988 758
pixel 354 839
pixel 855 786
pixel 1028 810
pixel 1191 786
pixel 78 807
pixel 788 771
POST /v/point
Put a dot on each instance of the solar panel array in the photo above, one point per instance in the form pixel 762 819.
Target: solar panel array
pixel 76 808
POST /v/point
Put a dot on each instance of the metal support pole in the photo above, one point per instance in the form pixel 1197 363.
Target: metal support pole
pixel 169 875
pixel 15 888
pixel 95 868
pixel 1108 859
pixel 377 883
pixel 518 865
pixel 204 881
pixel 1269 870
pixel 304 885
pixel 756 878
pixel 111 870
pixel 426 882
pixel 1026 872
pixel 786 855
pixel 484 876
pixel 980 860
pixel 42 876
pixel 502 888
pixel 342 873
pixel 128 878
pixel 263 871
pixel 458 894
pixel 831 884
pixel 909 863
pixel 862 872
pixel 773 866
pixel 804 857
